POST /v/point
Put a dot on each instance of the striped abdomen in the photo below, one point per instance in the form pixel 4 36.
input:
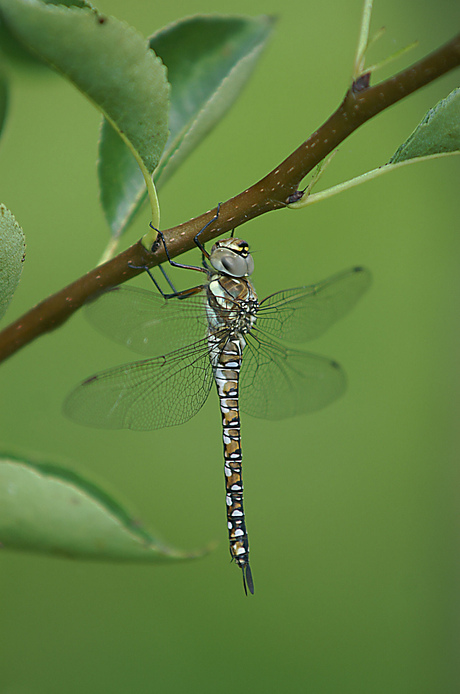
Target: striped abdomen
pixel 226 373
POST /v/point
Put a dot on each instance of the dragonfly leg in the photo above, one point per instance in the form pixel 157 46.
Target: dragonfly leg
pixel 149 272
pixel 173 262
pixel 165 275
pixel 204 253
pixel 184 294
pixel 203 250
pixel 180 295
pixel 205 263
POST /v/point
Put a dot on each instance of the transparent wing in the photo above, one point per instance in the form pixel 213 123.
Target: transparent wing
pixel 147 394
pixel 301 314
pixel 278 382
pixel 146 322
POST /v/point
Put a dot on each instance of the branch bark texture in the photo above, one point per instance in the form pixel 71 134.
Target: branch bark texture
pixel 274 191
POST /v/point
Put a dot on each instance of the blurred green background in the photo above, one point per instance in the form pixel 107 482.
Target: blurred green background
pixel 352 512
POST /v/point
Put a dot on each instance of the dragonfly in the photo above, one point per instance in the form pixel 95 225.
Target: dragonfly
pixel 218 333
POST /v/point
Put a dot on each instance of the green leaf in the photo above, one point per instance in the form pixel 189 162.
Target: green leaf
pixel 3 99
pixel 48 509
pixel 109 62
pixel 121 184
pixel 438 132
pixel 20 54
pixel 14 51
pixel 70 3
pixel 12 254
pixel 209 60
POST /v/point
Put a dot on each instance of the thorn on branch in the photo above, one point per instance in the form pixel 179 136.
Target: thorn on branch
pixel 295 197
pixel 362 83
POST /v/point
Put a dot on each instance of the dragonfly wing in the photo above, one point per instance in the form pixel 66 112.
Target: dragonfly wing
pixel 147 394
pixel 146 322
pixel 278 382
pixel 302 314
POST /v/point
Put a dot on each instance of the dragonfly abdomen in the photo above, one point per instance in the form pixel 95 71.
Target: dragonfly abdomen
pixel 226 373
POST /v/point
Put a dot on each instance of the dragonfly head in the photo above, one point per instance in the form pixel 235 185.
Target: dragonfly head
pixel 232 257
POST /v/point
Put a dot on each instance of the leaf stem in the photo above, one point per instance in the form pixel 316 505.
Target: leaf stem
pixel 368 176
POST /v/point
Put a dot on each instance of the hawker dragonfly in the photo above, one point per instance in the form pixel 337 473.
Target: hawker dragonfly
pixel 217 332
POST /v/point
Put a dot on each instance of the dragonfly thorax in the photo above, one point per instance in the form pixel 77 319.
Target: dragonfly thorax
pixel 232 303
pixel 231 257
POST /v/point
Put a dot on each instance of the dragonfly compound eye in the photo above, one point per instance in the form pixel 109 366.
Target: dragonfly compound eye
pixel 231 263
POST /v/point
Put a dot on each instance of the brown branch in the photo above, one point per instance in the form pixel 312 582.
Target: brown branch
pixel 274 191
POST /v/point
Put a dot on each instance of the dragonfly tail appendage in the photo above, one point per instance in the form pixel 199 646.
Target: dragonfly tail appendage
pixel 248 583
